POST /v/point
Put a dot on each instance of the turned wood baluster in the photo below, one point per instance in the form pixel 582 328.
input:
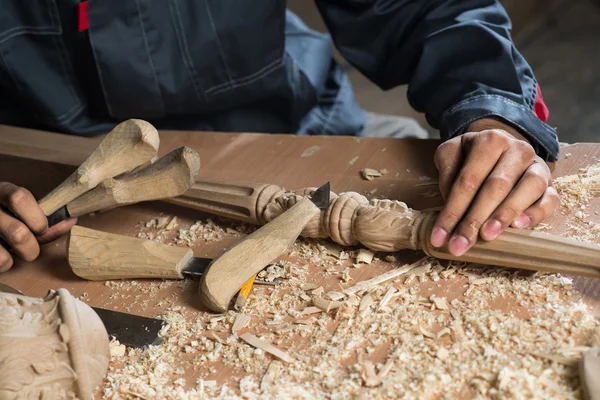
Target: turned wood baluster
pixel 387 225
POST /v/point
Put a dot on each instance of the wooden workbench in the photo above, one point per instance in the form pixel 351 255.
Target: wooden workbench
pixel 39 161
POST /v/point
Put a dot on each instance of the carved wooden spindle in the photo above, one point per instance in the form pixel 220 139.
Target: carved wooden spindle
pixel 55 347
pixel 389 225
pixel 235 200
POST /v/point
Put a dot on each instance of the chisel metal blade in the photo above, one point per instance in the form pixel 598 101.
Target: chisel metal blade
pixel 57 216
pixel 131 330
pixel 196 266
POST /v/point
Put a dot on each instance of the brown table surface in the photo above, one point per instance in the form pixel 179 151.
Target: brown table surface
pixel 39 161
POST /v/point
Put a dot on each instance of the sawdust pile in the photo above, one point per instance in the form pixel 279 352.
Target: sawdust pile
pixel 506 336
pixel 438 330
pixel 169 230
pixel 575 192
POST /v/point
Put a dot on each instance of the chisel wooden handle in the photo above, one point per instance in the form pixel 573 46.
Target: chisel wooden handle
pixel 128 145
pixel 170 176
pixel 228 273
pixel 97 256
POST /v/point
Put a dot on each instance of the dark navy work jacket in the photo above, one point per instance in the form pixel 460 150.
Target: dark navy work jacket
pixel 251 65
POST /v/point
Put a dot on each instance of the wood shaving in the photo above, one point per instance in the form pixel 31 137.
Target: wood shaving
pixel 482 281
pixel 270 375
pixel 241 321
pixel 261 344
pixel 311 310
pixel 370 173
pixel 116 348
pixel 386 298
pixel 309 286
pixel 335 296
pixel 440 302
pixel 326 305
pixel 365 256
pixel 365 285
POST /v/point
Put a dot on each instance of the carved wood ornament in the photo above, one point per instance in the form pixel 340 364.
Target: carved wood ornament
pixel 50 348
pixel 389 225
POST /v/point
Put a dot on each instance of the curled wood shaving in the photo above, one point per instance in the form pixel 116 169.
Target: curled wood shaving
pixel 318 291
pixel 270 375
pixel 444 331
pixel 370 378
pixel 440 302
pixel 386 276
pixel 269 348
pixel 309 286
pixel 366 302
pixel 386 298
pixel 335 296
pixel 427 333
pixel 311 310
pixel 482 281
pixel 213 335
pixel 364 256
pixel 326 305
pixel 241 321
pixel 370 173
pixel 458 332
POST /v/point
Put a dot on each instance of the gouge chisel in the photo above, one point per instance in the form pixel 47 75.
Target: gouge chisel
pixel 228 273
pixel 129 144
pixel 96 255
pixel 170 176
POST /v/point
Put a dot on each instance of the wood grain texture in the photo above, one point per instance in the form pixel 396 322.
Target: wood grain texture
pixel 96 256
pixel 518 248
pixel 236 200
pixel 128 145
pixel 172 175
pixel 228 273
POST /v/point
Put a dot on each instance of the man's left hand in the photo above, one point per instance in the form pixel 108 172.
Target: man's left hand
pixel 490 178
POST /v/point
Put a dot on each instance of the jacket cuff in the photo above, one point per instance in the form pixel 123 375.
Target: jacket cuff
pixel 457 119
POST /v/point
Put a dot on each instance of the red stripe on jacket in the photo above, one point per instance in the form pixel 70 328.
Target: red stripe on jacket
pixel 540 110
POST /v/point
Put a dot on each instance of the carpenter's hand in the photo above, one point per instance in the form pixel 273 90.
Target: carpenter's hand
pixel 23 225
pixel 490 178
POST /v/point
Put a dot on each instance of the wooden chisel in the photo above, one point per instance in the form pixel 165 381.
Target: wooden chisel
pixel 170 176
pixel 130 330
pixel 228 273
pixel 129 144
pixel 97 256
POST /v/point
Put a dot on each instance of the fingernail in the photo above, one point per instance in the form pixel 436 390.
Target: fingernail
pixel 438 237
pixel 458 245
pixel 491 229
pixel 522 222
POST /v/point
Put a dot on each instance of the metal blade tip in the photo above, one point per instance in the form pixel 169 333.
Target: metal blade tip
pixel 320 197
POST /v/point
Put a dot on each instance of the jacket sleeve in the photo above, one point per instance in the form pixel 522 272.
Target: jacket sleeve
pixel 456 56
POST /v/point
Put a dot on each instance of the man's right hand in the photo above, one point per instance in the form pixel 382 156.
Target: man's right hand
pixel 23 225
